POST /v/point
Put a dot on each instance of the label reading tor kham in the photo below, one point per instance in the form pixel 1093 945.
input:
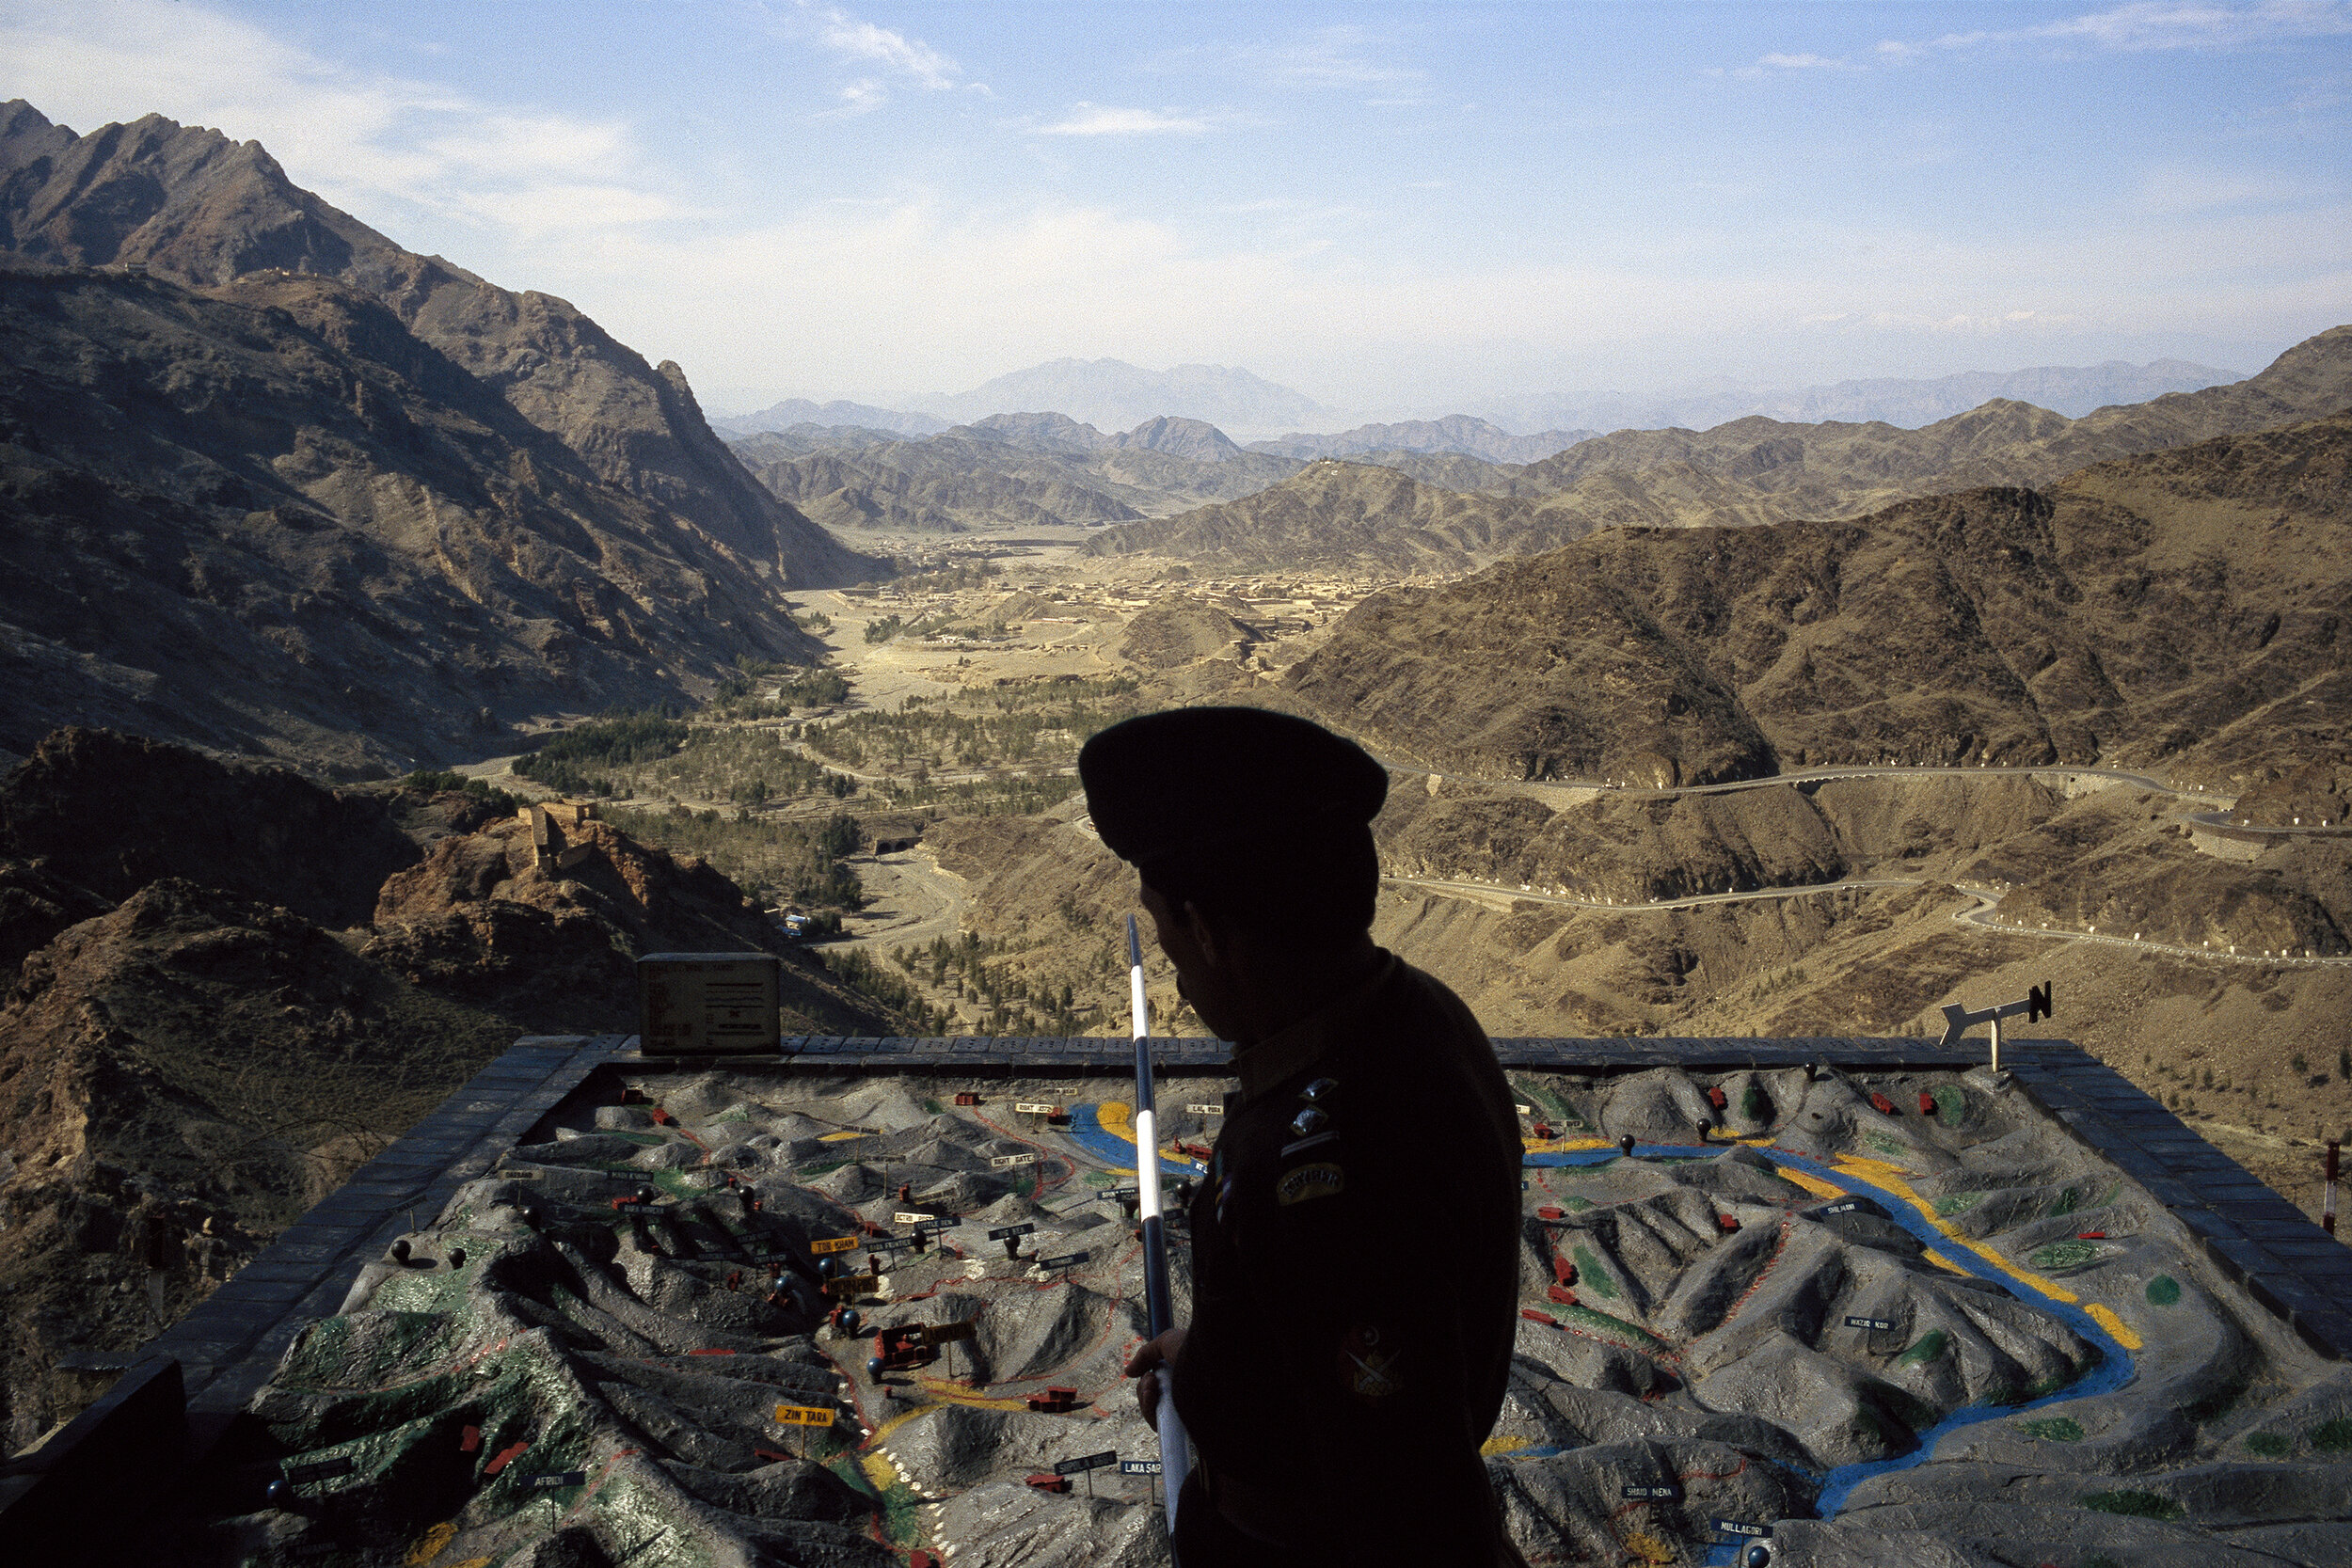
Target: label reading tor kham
pixel 834 1243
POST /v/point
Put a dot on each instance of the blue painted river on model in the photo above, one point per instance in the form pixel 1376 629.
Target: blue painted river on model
pixel 2113 1371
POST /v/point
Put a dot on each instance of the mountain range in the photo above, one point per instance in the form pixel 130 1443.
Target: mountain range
pixel 1007 471
pixel 1367 517
pixel 2070 390
pixel 1508 430
pixel 2181 610
pixel 274 484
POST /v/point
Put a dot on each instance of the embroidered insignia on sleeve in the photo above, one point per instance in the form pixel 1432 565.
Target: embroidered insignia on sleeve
pixel 1316 1180
pixel 1367 1365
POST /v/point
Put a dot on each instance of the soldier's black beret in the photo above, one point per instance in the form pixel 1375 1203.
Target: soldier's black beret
pixel 1212 779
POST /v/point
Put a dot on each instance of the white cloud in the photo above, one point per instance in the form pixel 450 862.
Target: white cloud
pixel 863 96
pixel 2157 24
pixel 362 140
pixel 1101 120
pixel 893 51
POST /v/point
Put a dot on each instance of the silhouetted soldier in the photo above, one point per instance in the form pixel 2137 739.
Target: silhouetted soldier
pixel 1356 1245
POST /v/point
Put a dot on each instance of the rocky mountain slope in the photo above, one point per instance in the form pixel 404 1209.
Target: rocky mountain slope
pixel 1331 519
pixel 2177 611
pixel 292 490
pixel 235 986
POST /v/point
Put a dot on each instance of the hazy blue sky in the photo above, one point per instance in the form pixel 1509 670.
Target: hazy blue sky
pixel 1383 205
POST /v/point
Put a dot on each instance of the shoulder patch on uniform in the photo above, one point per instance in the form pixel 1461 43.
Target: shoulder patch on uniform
pixel 1321 1180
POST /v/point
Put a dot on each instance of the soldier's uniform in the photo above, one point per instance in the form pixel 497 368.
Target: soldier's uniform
pixel 1355 1285
pixel 1356 1247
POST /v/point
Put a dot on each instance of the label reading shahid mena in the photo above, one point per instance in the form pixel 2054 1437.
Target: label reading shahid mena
pixel 1870 1323
pixel 834 1243
pixel 1005 1162
pixel 804 1415
pixel 1091 1462
pixel 1664 1492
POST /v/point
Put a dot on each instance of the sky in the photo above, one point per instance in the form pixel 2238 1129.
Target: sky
pixel 1390 207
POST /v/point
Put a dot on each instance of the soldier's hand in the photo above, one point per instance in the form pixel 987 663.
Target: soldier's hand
pixel 1150 1356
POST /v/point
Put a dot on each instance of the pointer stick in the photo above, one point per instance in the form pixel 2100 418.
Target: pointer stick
pixel 1174 1457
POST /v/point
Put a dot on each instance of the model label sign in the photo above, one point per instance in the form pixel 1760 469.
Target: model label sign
pixel 1033 1107
pixel 887 1243
pixel 943 1333
pixel 1091 1462
pixel 1006 1232
pixel 1740 1528
pixel 1847 1207
pixel 834 1243
pixel 1869 1322
pixel 1139 1466
pixel 913 1219
pixel 559 1478
pixel 1664 1492
pixel 1005 1162
pixel 1205 1110
pixel 1067 1260
pixel 804 1415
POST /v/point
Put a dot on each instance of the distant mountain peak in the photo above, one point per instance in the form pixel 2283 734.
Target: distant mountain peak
pixel 1112 394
